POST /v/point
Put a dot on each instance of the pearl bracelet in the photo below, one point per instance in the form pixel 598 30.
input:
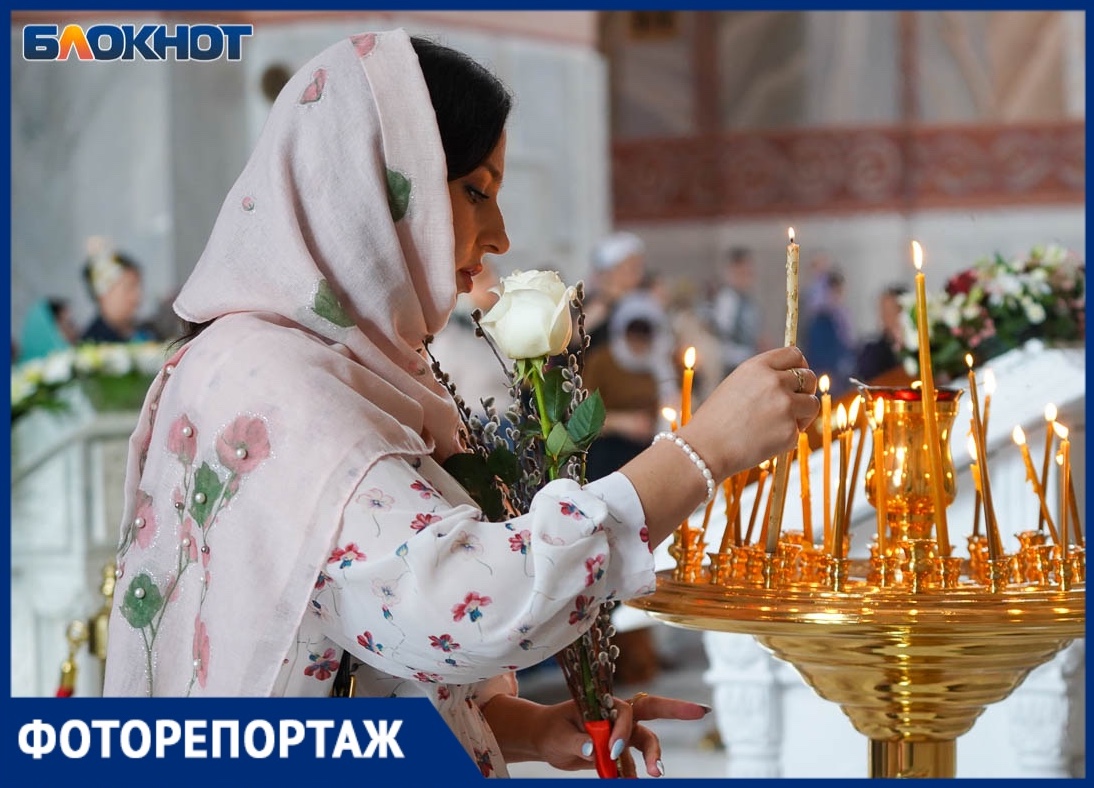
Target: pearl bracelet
pixel 693 455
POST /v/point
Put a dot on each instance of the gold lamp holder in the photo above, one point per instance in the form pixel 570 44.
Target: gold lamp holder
pixel 912 642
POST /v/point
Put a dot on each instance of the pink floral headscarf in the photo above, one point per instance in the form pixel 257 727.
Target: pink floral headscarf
pixel 331 259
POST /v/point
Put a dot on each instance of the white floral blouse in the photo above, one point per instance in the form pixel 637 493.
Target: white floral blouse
pixel 430 600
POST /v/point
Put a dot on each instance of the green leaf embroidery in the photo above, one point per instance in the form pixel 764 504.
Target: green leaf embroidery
pixel 142 601
pixel 588 418
pixel 209 485
pixel 398 194
pixel 327 306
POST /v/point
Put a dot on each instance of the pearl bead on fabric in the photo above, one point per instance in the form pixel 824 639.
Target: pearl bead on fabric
pixel 693 455
pixel 199 497
pixel 187 431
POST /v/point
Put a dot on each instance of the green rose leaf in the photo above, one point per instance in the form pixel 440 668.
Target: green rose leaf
pixel 556 399
pixel 398 194
pixel 142 601
pixel 473 472
pixel 588 418
pixel 208 484
pixel 327 306
pixel 559 444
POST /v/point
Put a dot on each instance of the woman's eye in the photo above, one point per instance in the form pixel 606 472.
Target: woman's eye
pixel 475 194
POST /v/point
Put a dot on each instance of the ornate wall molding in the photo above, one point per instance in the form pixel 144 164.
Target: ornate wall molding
pixel 848 170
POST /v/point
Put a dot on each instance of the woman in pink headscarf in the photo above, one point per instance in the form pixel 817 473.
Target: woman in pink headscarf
pixel 286 519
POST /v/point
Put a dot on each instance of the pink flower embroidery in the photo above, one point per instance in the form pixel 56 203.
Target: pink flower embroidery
pixel 346 555
pixel 365 639
pixel 594 569
pixel 470 607
pixel 581 608
pixel 519 543
pixel 144 519
pixel 375 499
pixel 428 678
pixel 243 445
pixel 445 643
pixel 323 666
pixel 314 91
pixel 467 543
pixel 364 43
pixel 424 489
pixel 182 439
pixel 443 693
pixel 570 510
pixel 644 535
pixel 201 651
pixel 422 520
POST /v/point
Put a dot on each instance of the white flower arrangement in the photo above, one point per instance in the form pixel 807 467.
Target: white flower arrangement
pixel 999 304
pixel 119 372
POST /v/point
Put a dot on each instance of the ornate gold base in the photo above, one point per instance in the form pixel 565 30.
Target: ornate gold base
pixel 911 671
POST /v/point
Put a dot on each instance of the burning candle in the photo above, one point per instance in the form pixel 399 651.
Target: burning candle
pixel 1065 473
pixel 991 525
pixel 803 466
pixel 1019 436
pixel 685 395
pixel 930 415
pixel 669 415
pixel 881 484
pixel 826 457
pixel 1050 419
pixel 756 503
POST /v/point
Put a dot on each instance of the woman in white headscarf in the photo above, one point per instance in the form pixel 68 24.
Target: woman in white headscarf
pixel 286 517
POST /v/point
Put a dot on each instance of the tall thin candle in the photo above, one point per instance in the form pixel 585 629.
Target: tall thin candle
pixel 881 482
pixel 803 466
pixel 1019 436
pixel 1065 472
pixel 930 414
pixel 1050 418
pixel 991 525
pixel 826 458
pixel 852 483
pixel 685 394
pixel 839 529
pixel 790 337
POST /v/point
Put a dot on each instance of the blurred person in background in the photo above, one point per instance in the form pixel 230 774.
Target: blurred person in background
pixel 735 313
pixel 883 352
pixel 829 334
pixel 114 282
pixel 48 327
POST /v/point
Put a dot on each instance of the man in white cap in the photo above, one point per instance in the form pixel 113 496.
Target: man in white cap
pixel 619 266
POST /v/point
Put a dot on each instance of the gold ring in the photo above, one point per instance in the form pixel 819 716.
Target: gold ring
pixel 801 380
pixel 637 697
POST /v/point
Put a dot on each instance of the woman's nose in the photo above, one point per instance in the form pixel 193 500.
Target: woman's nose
pixel 494 237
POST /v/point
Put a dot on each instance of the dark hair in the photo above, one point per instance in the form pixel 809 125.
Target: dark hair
pixel 124 260
pixel 895 291
pixel 57 306
pixel 639 328
pixel 472 105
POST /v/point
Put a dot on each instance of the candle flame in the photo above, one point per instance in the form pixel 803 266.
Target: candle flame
pixel 765 465
pixel 1060 458
pixel 790 232
pixel 852 414
pixel 968 359
pixel 1050 412
pixel 841 417
pixel 669 414
pixel 1060 430
pixel 972 448
pixel 879 411
pixel 989 382
pixel 1019 436
pixel 689 358
pixel 823 384
pixel 916 384
pixel 917 255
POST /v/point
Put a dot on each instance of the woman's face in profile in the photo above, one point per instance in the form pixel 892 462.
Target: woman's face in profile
pixel 477 224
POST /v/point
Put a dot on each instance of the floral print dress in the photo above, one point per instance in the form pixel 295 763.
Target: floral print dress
pixel 428 600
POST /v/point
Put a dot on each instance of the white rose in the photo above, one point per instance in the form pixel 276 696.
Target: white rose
pixel 531 319
pixel 116 360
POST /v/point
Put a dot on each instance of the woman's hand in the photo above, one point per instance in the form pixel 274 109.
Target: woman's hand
pixel 555 734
